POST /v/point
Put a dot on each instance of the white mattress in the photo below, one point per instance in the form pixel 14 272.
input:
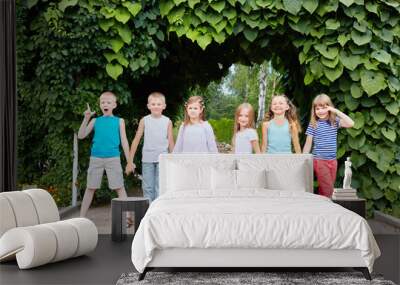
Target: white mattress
pixel 257 218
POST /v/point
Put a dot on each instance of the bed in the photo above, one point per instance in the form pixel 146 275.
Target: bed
pixel 227 210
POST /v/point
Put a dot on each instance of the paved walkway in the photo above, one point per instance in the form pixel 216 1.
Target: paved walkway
pixel 101 216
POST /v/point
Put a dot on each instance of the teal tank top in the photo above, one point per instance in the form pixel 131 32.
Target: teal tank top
pixel 106 138
pixel 279 138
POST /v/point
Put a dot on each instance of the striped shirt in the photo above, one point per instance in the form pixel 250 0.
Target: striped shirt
pixel 324 138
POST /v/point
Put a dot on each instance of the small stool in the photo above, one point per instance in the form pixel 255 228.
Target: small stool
pixel 138 205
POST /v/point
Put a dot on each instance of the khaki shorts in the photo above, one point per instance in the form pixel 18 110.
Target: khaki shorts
pixel 113 169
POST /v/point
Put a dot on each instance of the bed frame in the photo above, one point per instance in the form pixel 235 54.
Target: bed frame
pixel 242 259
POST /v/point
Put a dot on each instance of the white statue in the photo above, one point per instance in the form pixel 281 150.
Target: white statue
pixel 347 174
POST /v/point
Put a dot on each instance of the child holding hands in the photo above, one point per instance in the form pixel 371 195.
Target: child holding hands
pixel 322 132
pixel 158 139
pixel 109 134
pixel 195 134
pixel 281 127
pixel 245 138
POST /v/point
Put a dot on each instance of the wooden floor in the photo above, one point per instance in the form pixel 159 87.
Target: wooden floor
pixel 103 266
pixel 110 259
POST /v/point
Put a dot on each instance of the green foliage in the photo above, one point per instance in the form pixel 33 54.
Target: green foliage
pixel 223 129
pixel 70 51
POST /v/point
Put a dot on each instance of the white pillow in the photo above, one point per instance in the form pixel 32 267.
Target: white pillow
pixel 184 177
pixel 278 180
pixel 223 179
pixel 282 173
pixel 251 178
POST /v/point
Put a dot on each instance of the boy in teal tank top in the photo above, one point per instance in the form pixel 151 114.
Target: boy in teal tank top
pixel 109 134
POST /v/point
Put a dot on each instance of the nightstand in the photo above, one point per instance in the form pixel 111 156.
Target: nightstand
pixel 355 205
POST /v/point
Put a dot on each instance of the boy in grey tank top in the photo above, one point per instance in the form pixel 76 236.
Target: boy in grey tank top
pixel 158 139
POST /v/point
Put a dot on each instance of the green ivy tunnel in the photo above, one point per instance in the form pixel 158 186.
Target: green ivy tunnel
pixel 349 49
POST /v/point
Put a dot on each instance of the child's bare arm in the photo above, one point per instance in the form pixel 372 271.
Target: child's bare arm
pixel 124 140
pixel 256 146
pixel 86 126
pixel 171 143
pixel 264 137
pixel 130 167
pixel 345 121
pixel 308 144
pixel 295 139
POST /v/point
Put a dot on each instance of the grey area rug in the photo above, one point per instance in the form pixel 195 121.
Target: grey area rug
pixel 232 278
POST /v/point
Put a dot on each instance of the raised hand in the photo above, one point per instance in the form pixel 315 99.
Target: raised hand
pixel 331 109
pixel 88 113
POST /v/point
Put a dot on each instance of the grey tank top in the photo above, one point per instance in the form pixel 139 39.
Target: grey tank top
pixel 155 138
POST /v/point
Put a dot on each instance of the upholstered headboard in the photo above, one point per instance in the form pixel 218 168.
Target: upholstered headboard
pixel 294 168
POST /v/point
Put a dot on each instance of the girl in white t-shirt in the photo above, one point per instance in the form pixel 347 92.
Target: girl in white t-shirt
pixel 245 138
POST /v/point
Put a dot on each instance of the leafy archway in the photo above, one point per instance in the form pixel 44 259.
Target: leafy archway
pixel 349 49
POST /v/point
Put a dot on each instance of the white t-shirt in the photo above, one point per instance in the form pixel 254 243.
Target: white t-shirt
pixel 196 138
pixel 243 140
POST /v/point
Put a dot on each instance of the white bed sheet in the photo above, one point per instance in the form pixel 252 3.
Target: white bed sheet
pixel 252 218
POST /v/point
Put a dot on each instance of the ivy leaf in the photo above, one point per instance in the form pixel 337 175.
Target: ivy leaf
pixel 343 39
pixel 350 61
pixel 330 63
pixel 134 65
pixel 361 38
pixel 176 14
pixel 310 5
pixel 373 156
pixel 378 115
pixel 394 83
pixel 347 2
pixel 122 15
pixel 116 44
pixel 66 3
pixel 372 82
pixel 333 73
pixel 350 102
pixel 204 40
pixel 133 8
pixel 125 33
pixel 105 24
pixel 393 108
pixel 389 134
pixel 357 142
pixel 160 35
pixel 382 56
pixel 192 34
pixel 332 24
pixel 328 52
pixel 292 6
pixel 114 70
pixel 165 7
pixel 359 120
pixel 218 6
pixel 250 34
pixel 118 56
pixel 357 159
pixel 356 91
pixel 229 13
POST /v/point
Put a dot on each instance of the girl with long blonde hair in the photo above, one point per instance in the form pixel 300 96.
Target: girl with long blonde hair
pixel 245 138
pixel 322 132
pixel 281 127
pixel 195 134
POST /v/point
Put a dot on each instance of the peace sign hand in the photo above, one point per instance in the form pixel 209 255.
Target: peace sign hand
pixel 88 113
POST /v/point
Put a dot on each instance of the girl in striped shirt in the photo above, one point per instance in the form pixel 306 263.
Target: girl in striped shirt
pixel 322 131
